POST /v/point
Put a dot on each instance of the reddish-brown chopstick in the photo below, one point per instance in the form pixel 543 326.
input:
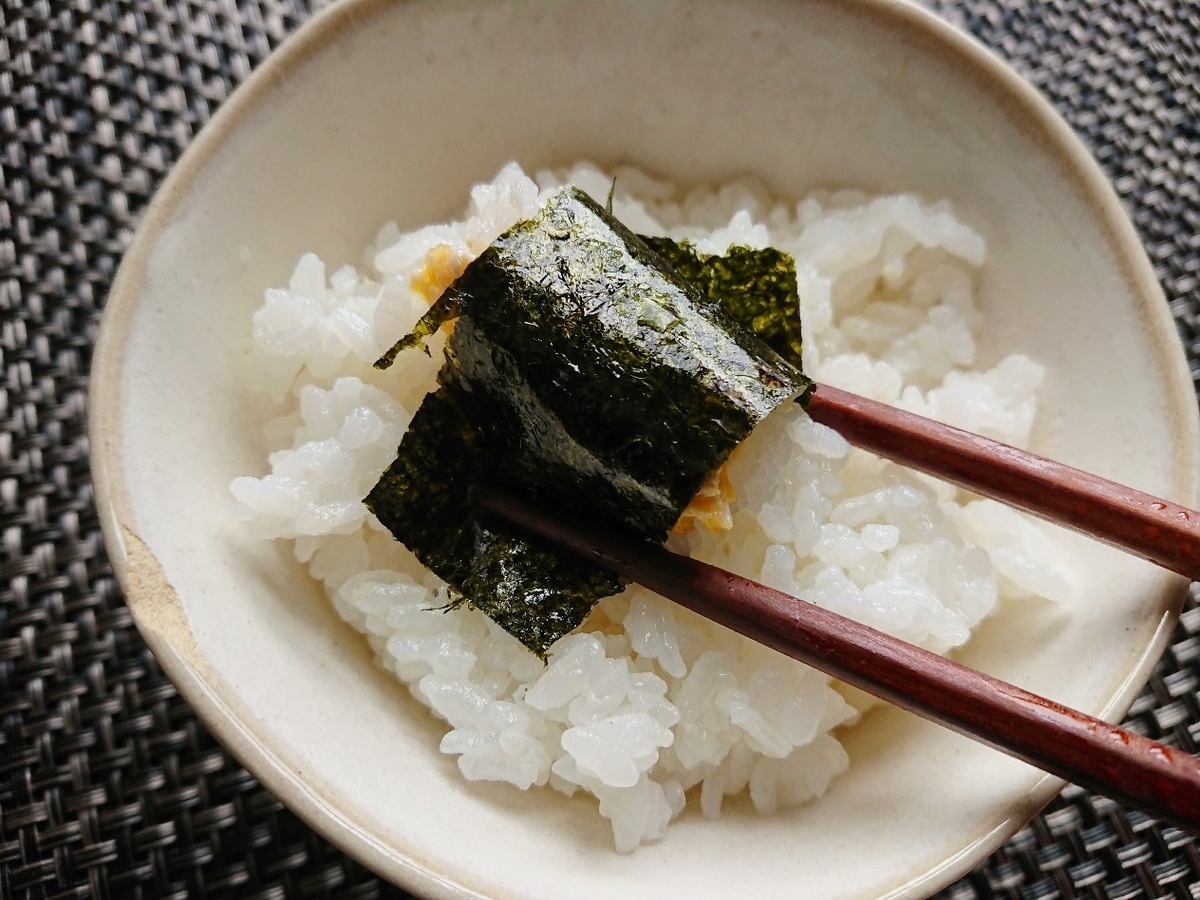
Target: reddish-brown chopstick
pixel 1086 751
pixel 1147 526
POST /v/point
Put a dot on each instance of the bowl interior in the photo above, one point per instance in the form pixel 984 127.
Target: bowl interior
pixel 390 111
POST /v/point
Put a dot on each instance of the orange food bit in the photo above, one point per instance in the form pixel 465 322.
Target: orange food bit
pixel 710 506
pixel 443 265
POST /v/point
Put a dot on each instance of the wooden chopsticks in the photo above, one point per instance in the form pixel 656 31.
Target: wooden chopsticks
pixel 1147 526
pixel 1125 766
pixel 1084 750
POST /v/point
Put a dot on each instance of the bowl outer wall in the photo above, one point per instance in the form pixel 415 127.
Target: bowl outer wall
pixel 253 644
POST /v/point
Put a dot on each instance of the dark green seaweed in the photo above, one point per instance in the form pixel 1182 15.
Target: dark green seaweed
pixel 756 288
pixel 583 371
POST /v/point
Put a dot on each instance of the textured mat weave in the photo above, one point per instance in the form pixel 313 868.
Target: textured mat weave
pixel 109 786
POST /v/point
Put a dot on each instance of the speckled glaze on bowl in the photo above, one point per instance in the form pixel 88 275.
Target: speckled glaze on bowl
pixel 383 110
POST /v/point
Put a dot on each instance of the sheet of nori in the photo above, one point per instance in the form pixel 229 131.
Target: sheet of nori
pixel 583 371
pixel 755 287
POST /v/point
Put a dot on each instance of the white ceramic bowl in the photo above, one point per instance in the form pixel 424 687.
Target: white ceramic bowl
pixel 383 110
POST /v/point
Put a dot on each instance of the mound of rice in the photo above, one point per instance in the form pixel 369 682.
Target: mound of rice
pixel 649 704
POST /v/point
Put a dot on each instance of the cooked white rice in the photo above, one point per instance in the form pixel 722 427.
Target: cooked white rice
pixel 648 704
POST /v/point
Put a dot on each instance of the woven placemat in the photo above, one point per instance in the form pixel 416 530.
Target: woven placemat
pixel 109 786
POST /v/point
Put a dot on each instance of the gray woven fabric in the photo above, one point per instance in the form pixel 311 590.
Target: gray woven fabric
pixel 109 786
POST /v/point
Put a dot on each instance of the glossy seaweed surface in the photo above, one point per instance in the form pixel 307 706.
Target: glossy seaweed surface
pixel 583 371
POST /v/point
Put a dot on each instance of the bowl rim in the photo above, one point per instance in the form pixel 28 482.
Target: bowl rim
pixel 148 592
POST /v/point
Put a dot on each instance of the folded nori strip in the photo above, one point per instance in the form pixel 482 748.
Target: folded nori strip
pixel 756 288
pixel 585 372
